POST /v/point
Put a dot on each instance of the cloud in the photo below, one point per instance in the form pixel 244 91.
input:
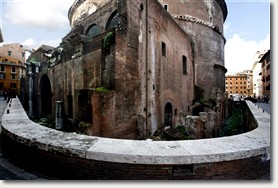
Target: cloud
pixel 50 15
pixel 31 43
pixel 239 52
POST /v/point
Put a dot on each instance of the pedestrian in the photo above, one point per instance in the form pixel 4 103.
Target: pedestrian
pixel 8 96
pixel 5 95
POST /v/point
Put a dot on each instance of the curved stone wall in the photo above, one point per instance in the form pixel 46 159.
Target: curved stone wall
pixel 71 156
pixel 83 8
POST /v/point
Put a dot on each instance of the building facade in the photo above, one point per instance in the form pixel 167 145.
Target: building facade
pixel 11 71
pixel 129 68
pixel 257 74
pixel 237 84
pixel 266 72
pixel 249 74
pixel 12 67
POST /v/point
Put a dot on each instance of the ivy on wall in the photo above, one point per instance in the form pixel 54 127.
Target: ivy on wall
pixel 108 40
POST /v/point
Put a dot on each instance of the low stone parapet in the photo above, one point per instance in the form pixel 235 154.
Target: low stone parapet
pixel 64 155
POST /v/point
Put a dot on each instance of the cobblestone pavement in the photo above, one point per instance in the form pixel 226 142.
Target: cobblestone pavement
pixel 265 106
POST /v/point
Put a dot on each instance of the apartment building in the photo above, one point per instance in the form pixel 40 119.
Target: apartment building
pixel 257 74
pixel 11 70
pixel 240 83
pixel 12 67
pixel 266 71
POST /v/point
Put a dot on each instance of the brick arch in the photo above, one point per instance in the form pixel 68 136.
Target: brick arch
pixel 112 20
pixel 93 30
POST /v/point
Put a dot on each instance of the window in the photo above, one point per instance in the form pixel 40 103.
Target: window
pixel 13 69
pixel 210 19
pixel 163 49
pixel 13 76
pixel 184 65
pixel 93 31
pixel 165 7
pixel 23 54
pixel 9 53
pixel 2 76
pixel 2 68
pixel 1 85
pixel 113 20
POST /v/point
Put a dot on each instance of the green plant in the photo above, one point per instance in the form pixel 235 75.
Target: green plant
pixel 208 102
pixel 102 90
pixel 83 128
pixel 232 125
pixel 108 40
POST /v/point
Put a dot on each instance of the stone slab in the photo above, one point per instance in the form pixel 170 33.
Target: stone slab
pixel 257 142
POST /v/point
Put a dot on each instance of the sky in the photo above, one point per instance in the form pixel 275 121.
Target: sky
pixel 247 30
pixel 36 22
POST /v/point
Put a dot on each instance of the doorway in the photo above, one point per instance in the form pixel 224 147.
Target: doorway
pixel 46 96
pixel 168 113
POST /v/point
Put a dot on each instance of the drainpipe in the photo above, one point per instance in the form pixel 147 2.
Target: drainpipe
pixel 147 72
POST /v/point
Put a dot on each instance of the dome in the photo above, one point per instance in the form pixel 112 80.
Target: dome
pixel 82 8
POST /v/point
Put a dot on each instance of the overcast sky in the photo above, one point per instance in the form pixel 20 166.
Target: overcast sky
pixel 36 22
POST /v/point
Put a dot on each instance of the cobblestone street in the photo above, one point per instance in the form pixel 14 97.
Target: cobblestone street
pixel 265 106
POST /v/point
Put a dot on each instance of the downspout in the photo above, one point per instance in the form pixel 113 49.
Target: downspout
pixel 146 61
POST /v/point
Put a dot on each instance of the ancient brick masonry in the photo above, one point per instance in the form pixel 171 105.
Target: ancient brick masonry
pixel 131 68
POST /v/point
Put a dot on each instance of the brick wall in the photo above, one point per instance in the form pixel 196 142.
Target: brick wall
pixel 61 166
pixel 71 156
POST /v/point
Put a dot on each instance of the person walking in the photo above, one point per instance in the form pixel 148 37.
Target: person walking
pixel 5 95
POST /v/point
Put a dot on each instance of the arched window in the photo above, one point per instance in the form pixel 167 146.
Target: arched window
pixel 93 31
pixel 113 20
